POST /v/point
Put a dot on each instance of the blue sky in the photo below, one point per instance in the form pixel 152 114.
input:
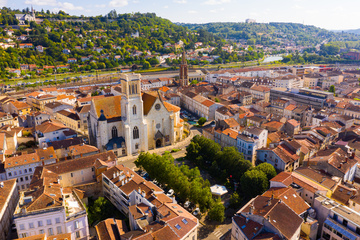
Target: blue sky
pixel 331 14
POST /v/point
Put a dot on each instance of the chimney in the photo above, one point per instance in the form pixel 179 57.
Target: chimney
pixel 122 182
pixel 346 159
pixel 269 202
pixel 268 218
pixel 247 220
pixel 173 199
pixel 114 175
pixel 1 184
pixel 143 194
pixel 251 210
pixel 340 165
pixel 139 190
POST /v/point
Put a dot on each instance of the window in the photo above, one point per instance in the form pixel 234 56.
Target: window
pixel 15 173
pixel 40 223
pixel 136 133
pixel 21 179
pixel 114 132
pixel 76 224
pixel 335 217
pixel 345 222
pixel 25 171
pixel 134 110
pixel 77 234
pixel 133 89
pixel 51 232
pixel 20 172
pixel 30 169
pixel 71 174
pixel 58 229
pixel 57 220
pixel 31 225
pixel 48 222
pixel 26 178
pixel 9 174
pixel 22 227
pixel 41 231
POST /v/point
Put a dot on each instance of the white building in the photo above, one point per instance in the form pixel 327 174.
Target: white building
pixel 289 81
pixel 51 210
pixel 52 130
pixel 250 140
pixel 133 121
pixel 22 167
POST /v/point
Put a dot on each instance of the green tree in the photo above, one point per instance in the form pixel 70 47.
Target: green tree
pixel 253 183
pixel 202 121
pixel 235 200
pixel 332 89
pixel 268 169
pixel 193 82
pixel 217 212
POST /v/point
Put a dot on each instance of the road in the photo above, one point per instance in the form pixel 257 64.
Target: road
pixel 129 161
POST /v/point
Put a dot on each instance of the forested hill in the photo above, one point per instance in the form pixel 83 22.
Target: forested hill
pixel 88 43
pixel 273 33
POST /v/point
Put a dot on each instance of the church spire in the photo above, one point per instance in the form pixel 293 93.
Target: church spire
pixel 183 75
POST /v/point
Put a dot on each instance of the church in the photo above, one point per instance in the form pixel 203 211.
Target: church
pixel 133 122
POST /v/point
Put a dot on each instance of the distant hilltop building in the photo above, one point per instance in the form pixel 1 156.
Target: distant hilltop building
pixel 26 17
pixel 250 20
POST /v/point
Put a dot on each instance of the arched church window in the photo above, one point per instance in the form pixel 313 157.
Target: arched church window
pixel 133 89
pixel 114 132
pixel 136 133
pixel 134 110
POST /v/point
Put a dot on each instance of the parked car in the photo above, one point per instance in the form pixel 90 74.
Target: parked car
pixel 196 212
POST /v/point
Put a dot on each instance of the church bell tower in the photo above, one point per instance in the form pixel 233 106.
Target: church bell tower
pixel 183 76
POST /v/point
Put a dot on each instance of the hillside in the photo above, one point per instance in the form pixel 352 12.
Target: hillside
pixel 274 33
pixel 72 43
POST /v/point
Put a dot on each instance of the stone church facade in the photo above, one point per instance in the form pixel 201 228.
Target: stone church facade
pixel 133 122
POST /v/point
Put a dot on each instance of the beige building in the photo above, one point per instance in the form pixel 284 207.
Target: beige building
pixel 69 118
pixel 8 200
pixel 82 170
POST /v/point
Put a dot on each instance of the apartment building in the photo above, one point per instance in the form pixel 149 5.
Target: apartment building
pixel 23 166
pixel 47 208
pixel 141 200
pixel 250 140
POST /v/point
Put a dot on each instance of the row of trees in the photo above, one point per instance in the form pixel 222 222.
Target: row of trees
pixel 186 183
pixel 229 163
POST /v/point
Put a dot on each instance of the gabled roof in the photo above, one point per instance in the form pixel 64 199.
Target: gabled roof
pixel 50 126
pixel 110 105
pixel 289 197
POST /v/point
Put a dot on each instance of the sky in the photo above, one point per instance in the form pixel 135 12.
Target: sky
pixel 329 14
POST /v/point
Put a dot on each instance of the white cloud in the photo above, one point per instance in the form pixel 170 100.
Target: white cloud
pixel 135 1
pixel 180 1
pixel 296 6
pixel 166 6
pixel 100 5
pixel 118 3
pixel 69 6
pixel 54 3
pixel 42 2
pixel 217 10
pixel 3 3
pixel 192 11
pixel 216 2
